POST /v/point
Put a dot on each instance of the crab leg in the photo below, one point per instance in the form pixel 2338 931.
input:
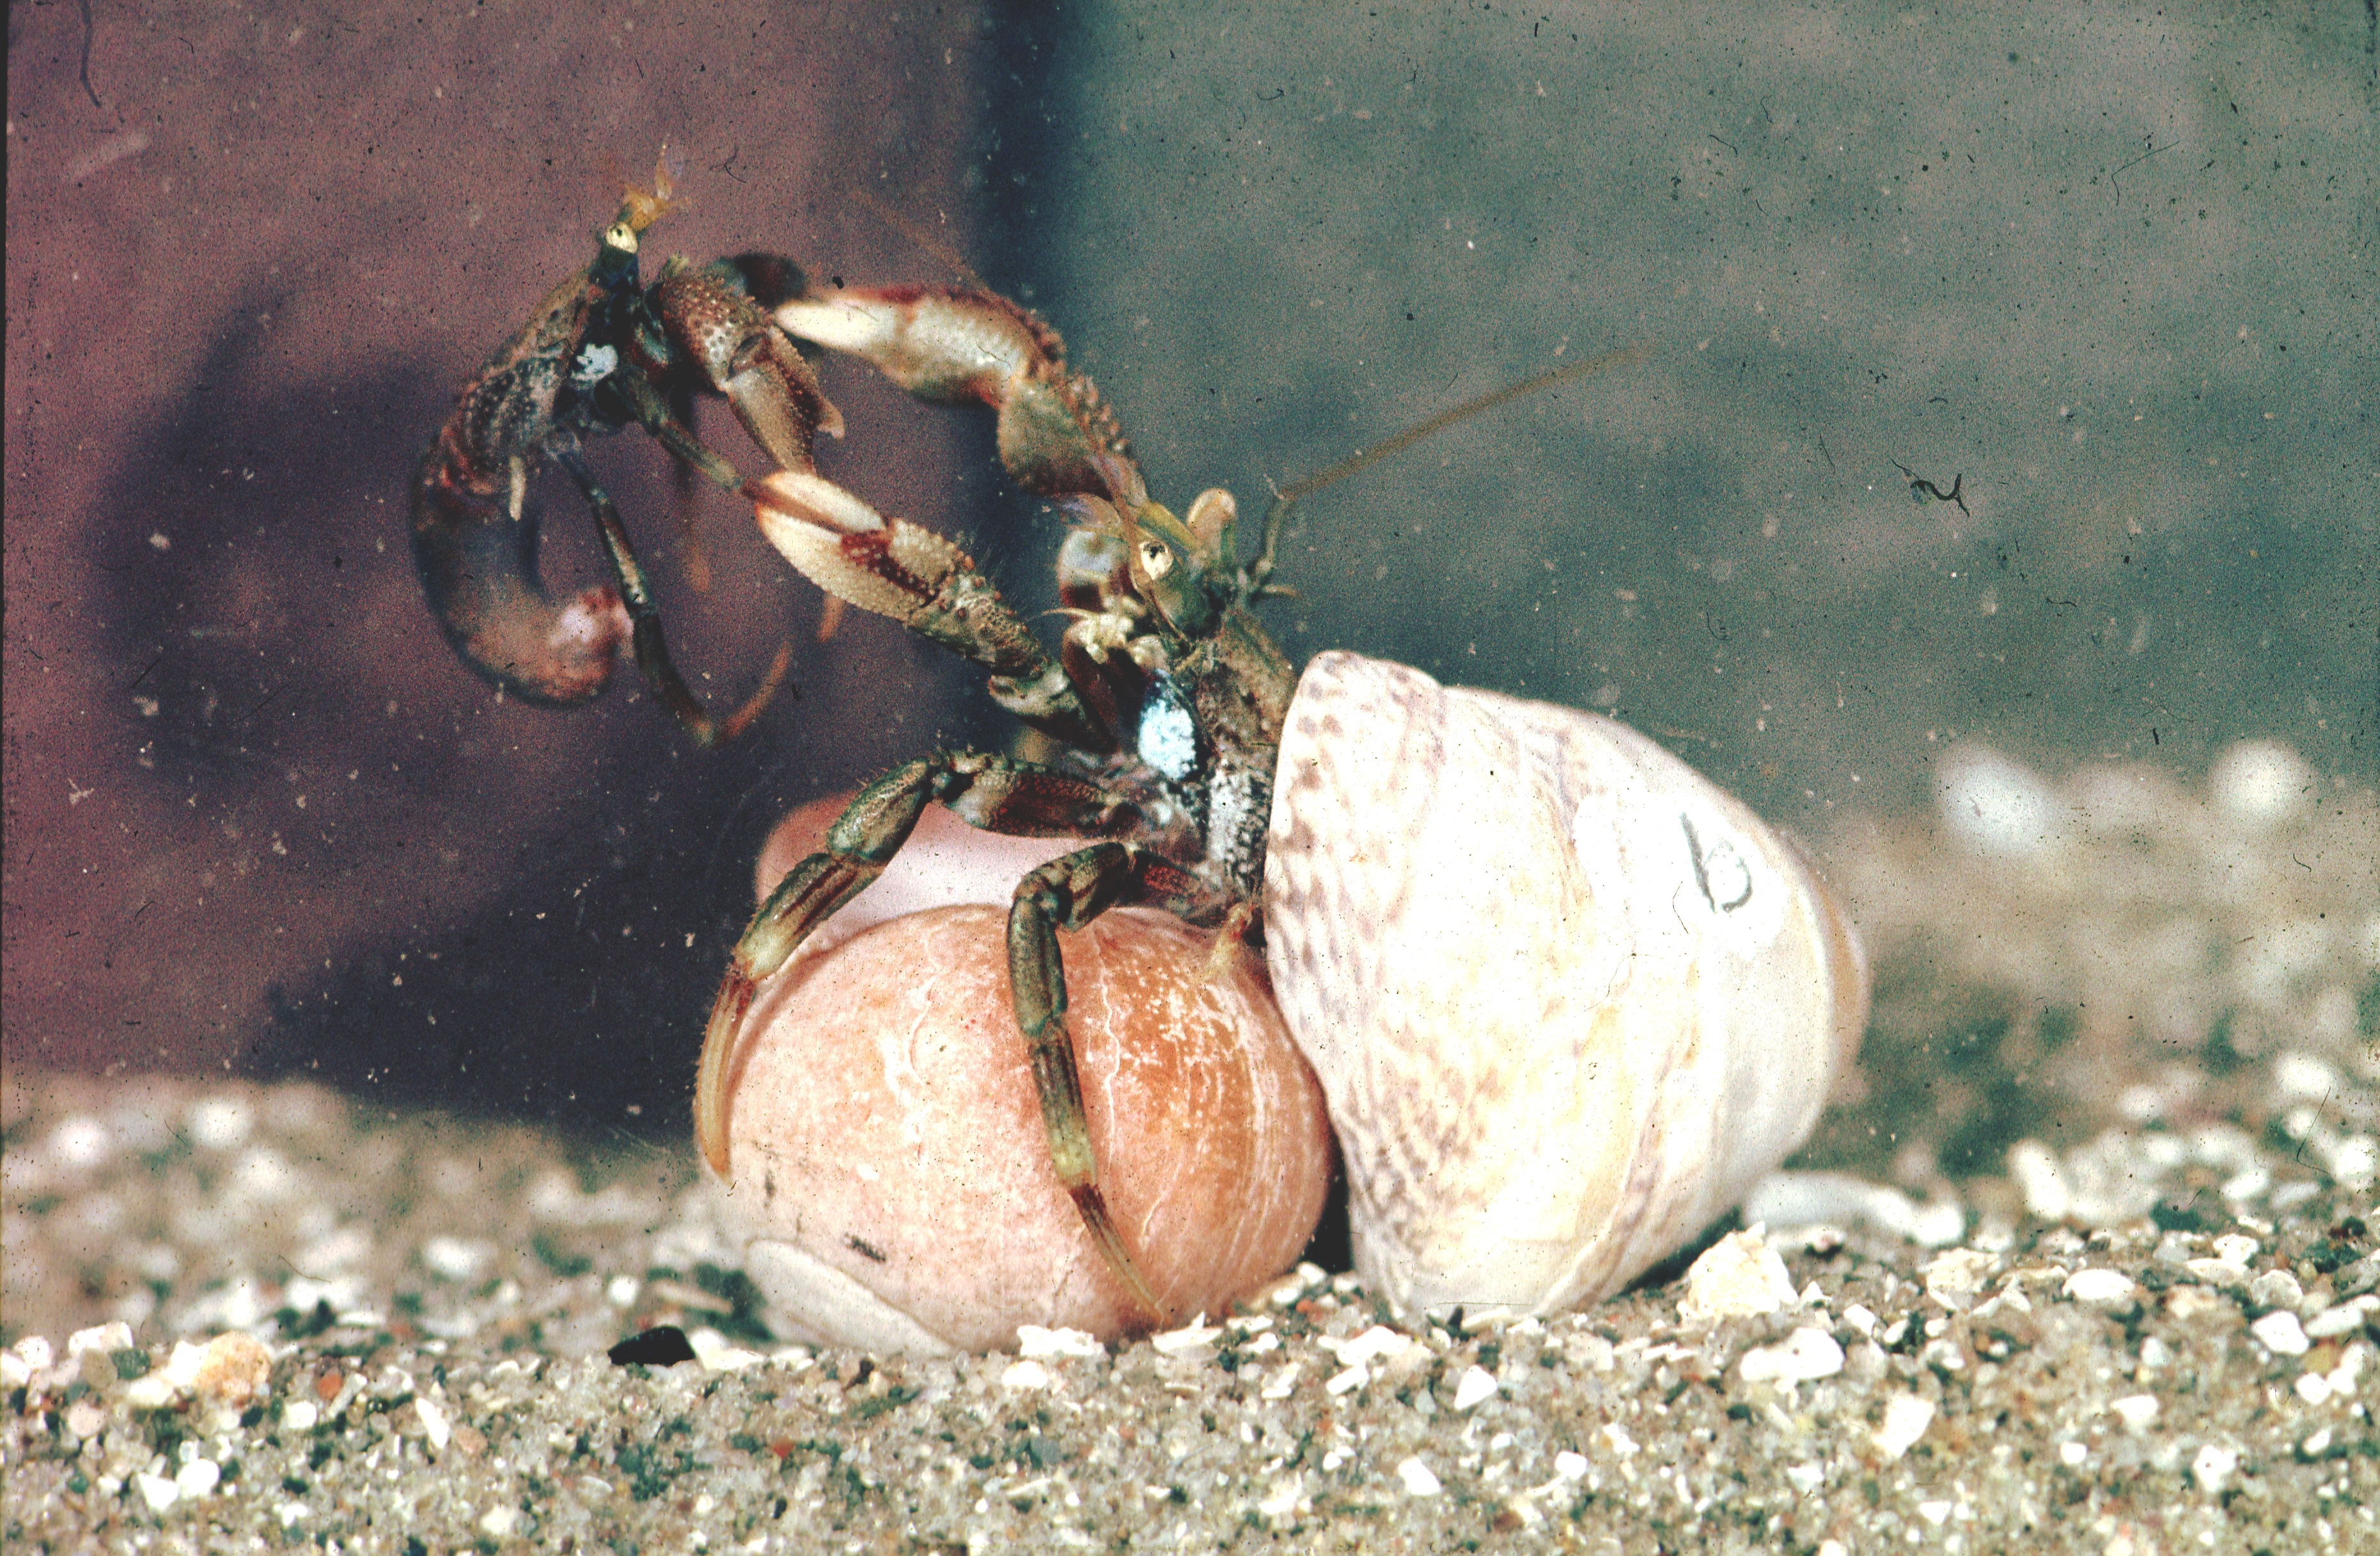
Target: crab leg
pixel 645 622
pixel 1069 893
pixel 991 793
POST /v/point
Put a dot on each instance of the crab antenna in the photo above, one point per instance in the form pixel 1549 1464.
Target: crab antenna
pixel 1286 498
pixel 1610 361
pixel 920 236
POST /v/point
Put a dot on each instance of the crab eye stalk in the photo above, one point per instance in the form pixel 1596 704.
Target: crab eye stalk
pixel 1177 594
pixel 616 257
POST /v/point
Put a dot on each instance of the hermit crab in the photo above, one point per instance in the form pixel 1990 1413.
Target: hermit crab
pixel 1567 999
pixel 601 353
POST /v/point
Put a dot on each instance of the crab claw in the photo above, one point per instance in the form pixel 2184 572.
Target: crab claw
pixel 478 562
pixel 948 345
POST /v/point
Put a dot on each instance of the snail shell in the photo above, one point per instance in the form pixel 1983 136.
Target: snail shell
pixel 945 862
pixel 889 1179
pixel 1568 999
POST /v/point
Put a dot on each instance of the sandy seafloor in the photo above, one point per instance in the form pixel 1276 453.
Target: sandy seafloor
pixel 2146 1325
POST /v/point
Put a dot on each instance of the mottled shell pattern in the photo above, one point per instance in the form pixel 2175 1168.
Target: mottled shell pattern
pixel 1568 999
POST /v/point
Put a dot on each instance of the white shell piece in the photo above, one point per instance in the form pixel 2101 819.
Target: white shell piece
pixel 1568 999
pixel 814 1302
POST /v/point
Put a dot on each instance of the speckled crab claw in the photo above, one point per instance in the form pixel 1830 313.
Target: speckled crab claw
pixel 1057 439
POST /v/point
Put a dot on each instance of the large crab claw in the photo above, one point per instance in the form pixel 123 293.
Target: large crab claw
pixel 948 345
pixel 898 568
pixel 1056 439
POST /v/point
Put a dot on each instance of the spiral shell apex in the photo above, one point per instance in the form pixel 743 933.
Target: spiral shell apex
pixel 1568 999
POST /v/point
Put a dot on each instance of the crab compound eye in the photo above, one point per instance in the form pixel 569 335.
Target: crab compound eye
pixel 1156 559
pixel 621 237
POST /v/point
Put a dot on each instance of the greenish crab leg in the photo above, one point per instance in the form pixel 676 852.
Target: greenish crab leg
pixel 991 793
pixel 1069 893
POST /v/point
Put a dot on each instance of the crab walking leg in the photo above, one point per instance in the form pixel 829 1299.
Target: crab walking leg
pixel 991 793
pixel 644 623
pixel 1069 893
pixel 686 497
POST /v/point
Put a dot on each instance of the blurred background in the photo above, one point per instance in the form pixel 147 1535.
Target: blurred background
pixel 260 818
pixel 2109 279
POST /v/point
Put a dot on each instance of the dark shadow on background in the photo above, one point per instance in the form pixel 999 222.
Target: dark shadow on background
pixel 257 650
pixel 260 647
pixel 538 1006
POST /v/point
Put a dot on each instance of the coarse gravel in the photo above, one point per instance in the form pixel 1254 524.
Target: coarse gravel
pixel 434 1299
